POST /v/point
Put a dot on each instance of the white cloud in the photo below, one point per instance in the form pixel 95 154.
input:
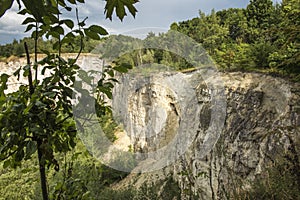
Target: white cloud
pixel 10 24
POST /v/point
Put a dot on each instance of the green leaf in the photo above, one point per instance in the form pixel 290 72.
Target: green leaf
pixel 66 40
pixel 26 70
pixel 4 78
pixel 34 34
pixel 68 8
pixel 120 10
pixel 4 6
pixel 119 6
pixel 58 29
pixel 70 35
pixel 56 45
pixel 113 80
pixel 108 85
pixel 50 94
pixel 6 164
pixel 111 73
pixel 17 73
pixel 60 2
pixel 91 34
pixel 69 92
pixel 19 155
pixel 29 27
pixel 72 143
pixel 79 32
pixel 106 91
pixel 53 10
pixel 40 104
pixel 53 19
pixel 55 79
pixel 28 20
pixel 123 68
pixel 31 148
pixel 98 29
pixel 131 8
pixel 23 12
pixel 109 8
pixel 36 8
pixel 27 109
pixel 69 23
pixel 72 1
pixel 45 52
pixel 2 95
pixel 71 61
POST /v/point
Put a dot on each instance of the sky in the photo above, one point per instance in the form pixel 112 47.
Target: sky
pixel 153 15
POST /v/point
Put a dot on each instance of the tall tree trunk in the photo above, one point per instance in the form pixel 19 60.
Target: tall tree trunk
pixel 39 142
pixel 42 173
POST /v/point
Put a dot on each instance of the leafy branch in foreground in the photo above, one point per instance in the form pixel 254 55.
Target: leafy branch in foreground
pixel 38 116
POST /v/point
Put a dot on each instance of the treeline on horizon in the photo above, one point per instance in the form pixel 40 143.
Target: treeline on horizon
pixel 16 48
pixel 261 37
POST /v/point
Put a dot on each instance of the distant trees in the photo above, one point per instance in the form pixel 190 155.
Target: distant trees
pixel 260 36
pixel 16 48
pixel 287 54
pixel 258 13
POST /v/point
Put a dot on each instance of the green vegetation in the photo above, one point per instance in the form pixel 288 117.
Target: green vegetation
pixel 36 122
pixel 262 37
pixel 81 177
pixel 17 47
pixel 109 126
pixel 38 117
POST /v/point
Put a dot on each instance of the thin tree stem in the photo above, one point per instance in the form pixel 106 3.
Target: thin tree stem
pixel 42 172
pixel 35 51
pixel 31 88
pixel 81 37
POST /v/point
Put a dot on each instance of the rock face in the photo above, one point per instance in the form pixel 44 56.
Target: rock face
pixel 257 117
pixel 213 135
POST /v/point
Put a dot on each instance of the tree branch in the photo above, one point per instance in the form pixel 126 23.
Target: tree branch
pixel 31 88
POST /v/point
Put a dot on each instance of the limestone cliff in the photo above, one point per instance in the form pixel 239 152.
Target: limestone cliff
pixel 258 120
pixel 212 135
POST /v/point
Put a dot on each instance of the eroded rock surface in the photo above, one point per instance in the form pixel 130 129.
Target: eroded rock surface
pixel 261 120
pixel 257 116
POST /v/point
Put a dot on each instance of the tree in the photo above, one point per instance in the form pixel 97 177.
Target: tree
pixel 260 51
pixel 236 21
pixel 38 116
pixel 259 17
pixel 288 54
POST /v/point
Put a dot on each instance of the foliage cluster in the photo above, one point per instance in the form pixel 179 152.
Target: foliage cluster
pixel 81 177
pixel 38 117
pixel 261 36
